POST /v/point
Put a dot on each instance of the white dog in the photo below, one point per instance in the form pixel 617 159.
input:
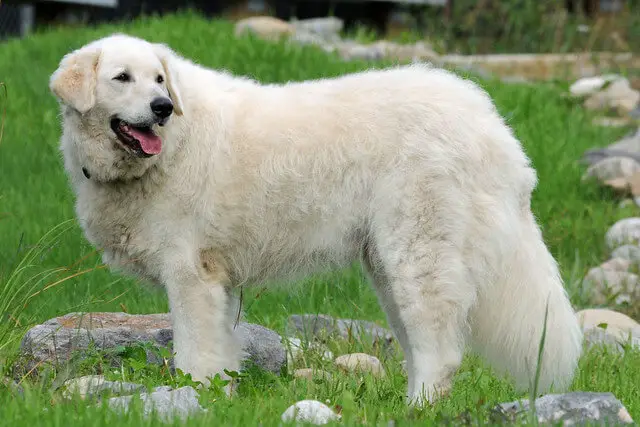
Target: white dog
pixel 205 182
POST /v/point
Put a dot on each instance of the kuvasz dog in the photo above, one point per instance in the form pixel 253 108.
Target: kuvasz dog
pixel 204 182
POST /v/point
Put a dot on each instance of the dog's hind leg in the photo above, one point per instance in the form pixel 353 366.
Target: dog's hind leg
pixel 414 258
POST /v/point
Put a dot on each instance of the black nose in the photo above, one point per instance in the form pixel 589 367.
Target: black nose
pixel 162 107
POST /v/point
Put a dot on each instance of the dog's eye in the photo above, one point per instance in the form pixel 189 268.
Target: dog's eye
pixel 123 77
pixel 160 79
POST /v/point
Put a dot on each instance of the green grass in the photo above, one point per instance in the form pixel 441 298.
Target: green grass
pixel 65 274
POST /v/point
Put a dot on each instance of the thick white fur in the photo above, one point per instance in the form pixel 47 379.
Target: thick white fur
pixel 410 169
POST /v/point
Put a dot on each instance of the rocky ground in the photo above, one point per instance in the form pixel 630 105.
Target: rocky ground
pixel 61 339
pixel 325 33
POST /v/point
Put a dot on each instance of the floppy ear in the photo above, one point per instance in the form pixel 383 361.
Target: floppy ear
pixel 167 58
pixel 74 82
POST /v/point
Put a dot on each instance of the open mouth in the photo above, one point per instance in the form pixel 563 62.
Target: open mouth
pixel 141 140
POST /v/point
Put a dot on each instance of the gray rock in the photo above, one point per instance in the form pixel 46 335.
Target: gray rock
pixel 612 168
pixel 264 346
pixel 181 403
pixel 322 326
pixel 328 28
pixel 629 143
pixel 91 386
pixel 571 409
pixel 603 337
pixel 606 284
pixel 629 252
pixel 628 146
pixel 350 50
pixel 304 38
pixel 56 340
pixel 625 231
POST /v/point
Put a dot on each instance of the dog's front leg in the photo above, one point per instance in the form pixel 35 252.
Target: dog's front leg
pixel 199 301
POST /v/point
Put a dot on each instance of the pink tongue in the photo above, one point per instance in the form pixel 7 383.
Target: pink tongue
pixel 149 142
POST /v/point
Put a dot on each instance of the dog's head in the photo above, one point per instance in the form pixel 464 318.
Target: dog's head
pixel 117 94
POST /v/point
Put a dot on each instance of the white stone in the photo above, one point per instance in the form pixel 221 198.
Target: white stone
pixel 309 411
pixel 360 362
pixel 590 85
pixel 625 231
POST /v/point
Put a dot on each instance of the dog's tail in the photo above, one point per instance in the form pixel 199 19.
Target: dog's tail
pixel 509 319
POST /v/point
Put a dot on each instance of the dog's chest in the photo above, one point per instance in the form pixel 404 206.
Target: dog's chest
pixel 114 224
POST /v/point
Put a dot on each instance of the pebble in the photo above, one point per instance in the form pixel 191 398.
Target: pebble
pixel 309 411
pixel 360 362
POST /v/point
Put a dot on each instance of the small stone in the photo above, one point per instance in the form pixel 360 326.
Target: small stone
pixel 616 264
pixel 570 409
pixel 182 403
pixel 608 327
pixel 264 27
pixel 629 252
pixel 350 51
pixel 304 38
pixel 360 362
pixel 91 386
pixel 625 231
pixel 618 95
pixel 309 411
pixel 613 168
pixel 590 85
pixel 612 122
pixel 606 284
pixel 310 373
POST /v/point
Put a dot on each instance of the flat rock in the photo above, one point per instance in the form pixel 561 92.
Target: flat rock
pixel 309 411
pixel 608 327
pixel 91 386
pixel 321 326
pixel 57 339
pixel 570 409
pixel 625 231
pixel 360 362
pixel 167 404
